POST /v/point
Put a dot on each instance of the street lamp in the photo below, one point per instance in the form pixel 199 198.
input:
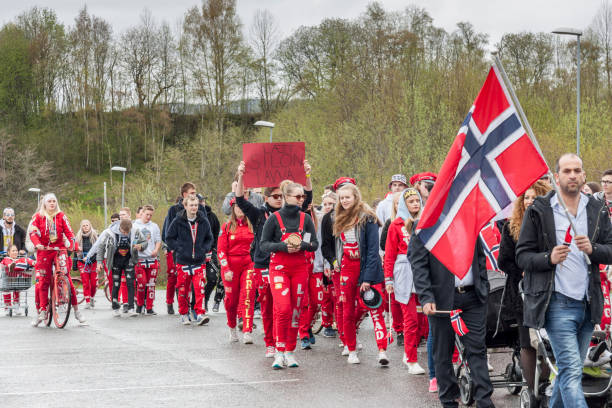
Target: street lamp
pixel 123 170
pixel 263 123
pixel 577 33
pixel 37 191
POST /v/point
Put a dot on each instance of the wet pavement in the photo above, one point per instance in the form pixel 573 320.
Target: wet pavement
pixel 153 361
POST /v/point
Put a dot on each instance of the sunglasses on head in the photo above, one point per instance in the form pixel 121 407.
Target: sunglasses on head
pixel 276 196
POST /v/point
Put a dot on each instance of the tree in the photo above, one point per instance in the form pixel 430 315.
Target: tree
pixel 264 40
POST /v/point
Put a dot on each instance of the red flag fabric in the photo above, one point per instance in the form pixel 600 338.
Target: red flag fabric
pixel 458 324
pixel 568 236
pixel 482 174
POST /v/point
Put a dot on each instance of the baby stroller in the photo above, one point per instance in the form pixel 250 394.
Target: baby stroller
pixel 14 284
pixel 502 332
pixel 596 389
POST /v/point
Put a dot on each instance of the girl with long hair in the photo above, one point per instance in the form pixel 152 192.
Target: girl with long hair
pixel 357 244
pixel 398 273
pixel 287 235
pixel 85 239
pixel 507 263
pixel 233 250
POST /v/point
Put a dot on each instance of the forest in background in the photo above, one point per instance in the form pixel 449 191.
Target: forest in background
pixel 370 97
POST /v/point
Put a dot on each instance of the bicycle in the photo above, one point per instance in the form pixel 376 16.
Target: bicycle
pixel 102 284
pixel 59 288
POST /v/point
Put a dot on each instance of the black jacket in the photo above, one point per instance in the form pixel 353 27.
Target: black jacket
pixel 172 213
pixel 533 249
pixel 19 238
pixel 271 234
pixel 178 239
pixel 328 241
pixel 506 260
pixel 383 235
pixel 434 283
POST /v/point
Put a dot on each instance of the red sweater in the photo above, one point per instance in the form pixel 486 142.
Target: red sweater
pixel 234 243
pixel 42 228
pixel 396 244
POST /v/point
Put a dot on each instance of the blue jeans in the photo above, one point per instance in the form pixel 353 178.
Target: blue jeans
pixel 569 327
pixel 430 359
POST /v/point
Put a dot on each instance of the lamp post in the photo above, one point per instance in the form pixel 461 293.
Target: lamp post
pixel 123 170
pixel 263 123
pixel 578 34
pixel 37 191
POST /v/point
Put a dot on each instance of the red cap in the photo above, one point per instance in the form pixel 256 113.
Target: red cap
pixel 426 176
pixel 342 181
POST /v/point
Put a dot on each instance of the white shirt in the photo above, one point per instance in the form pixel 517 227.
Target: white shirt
pixel 467 280
pixel 151 232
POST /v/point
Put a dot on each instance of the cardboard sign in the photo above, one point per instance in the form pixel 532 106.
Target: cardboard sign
pixel 267 164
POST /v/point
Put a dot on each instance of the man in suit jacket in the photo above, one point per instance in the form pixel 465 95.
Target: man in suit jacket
pixel 438 289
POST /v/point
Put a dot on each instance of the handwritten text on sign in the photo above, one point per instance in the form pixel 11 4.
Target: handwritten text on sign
pixel 267 164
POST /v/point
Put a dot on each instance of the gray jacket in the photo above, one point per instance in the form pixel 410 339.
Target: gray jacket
pixel 254 198
pixel 107 245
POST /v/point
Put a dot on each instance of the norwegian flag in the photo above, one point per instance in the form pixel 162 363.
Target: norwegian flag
pixel 491 238
pixel 568 236
pixel 390 338
pixel 458 324
pixel 490 163
pixel 191 269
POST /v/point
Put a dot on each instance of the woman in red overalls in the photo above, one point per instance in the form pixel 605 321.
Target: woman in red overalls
pixel 357 245
pixel 50 228
pixel 287 236
pixel 237 271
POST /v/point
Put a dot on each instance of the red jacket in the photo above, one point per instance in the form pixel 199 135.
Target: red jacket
pixel 396 244
pixel 236 243
pixel 42 228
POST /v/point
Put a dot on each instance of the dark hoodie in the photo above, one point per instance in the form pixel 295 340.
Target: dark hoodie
pixel 179 240
pixel 258 217
pixel 172 213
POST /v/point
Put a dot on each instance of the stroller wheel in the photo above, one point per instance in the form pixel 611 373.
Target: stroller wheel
pixel 26 311
pixel 513 374
pixel 466 389
pixel 10 312
pixel 528 400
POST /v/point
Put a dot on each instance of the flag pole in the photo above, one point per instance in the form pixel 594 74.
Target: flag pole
pixel 519 109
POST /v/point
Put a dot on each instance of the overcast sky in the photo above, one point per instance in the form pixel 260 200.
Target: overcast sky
pixel 493 17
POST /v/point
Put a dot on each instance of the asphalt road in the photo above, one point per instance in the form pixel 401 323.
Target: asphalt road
pixel 153 361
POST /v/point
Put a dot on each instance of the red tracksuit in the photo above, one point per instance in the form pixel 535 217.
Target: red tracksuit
pixel 233 250
pixel 49 232
pixel 171 274
pixel 397 244
pixel 328 306
pixel 314 300
pixel 187 275
pixel 146 274
pixel 267 306
pixel 20 270
pixel 338 305
pixel 89 278
pixel 353 309
pixel 288 280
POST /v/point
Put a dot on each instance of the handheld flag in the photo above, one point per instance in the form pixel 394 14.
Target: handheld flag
pixel 568 236
pixel 389 334
pixel 483 173
pixel 458 324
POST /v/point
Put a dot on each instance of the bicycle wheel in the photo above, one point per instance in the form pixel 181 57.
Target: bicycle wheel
pixel 61 301
pixel 78 287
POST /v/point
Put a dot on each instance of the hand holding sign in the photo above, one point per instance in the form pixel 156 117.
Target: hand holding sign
pixel 267 164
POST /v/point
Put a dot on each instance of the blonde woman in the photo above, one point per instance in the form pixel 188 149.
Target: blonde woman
pixel 85 239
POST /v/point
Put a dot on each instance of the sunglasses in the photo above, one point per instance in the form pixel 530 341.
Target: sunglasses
pixel 300 197
pixel 9 214
pixel 276 196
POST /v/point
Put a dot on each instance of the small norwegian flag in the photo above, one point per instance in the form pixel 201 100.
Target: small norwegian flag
pixel 458 324
pixel 568 236
pixel 390 338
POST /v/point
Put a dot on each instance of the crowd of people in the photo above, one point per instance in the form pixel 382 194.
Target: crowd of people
pixel 284 258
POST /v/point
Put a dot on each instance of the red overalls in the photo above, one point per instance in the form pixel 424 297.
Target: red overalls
pixel 233 250
pixel 171 274
pixel 288 280
pixel 314 299
pixel 188 273
pixel 353 308
pixel 89 278
pixel 146 274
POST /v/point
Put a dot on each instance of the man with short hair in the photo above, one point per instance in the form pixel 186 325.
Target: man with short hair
pixel 115 217
pixel 562 292
pixel 10 232
pixel 147 266
pixel 605 194
pixel 124 214
pixel 424 183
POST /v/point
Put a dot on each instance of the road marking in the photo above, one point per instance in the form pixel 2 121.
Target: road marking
pixel 152 362
pixel 155 387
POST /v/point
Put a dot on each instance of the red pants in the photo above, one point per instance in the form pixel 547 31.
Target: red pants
pixel 288 280
pixel 339 306
pixel 411 329
pixel 146 274
pixel 240 291
pixel 314 301
pixel 353 308
pixel 187 275
pixel 267 307
pixel 171 274
pixel 396 312
pixel 44 269
pixel 89 278
pixel 8 301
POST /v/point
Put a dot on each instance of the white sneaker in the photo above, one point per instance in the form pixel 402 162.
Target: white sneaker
pixel 345 351
pixel 116 313
pixel 415 369
pixel 87 305
pixel 352 358
pixel 341 345
pixel 270 352
pixel 233 335
pixel 42 316
pixel 92 303
pixel 132 313
pixel 184 319
pixel 79 317
pixel 290 359
pixel 247 338
pixel 383 360
pixel 279 361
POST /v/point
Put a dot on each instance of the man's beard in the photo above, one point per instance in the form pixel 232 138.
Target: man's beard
pixel 571 191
